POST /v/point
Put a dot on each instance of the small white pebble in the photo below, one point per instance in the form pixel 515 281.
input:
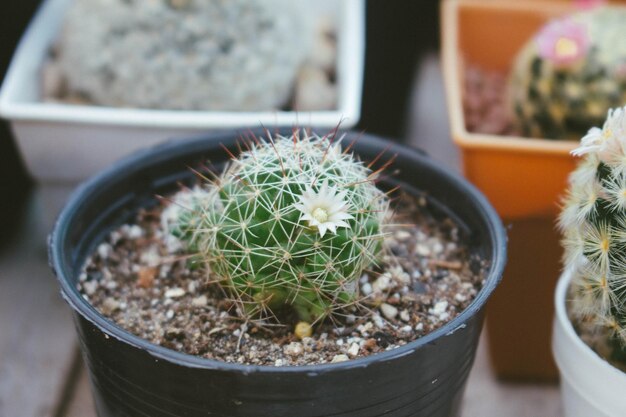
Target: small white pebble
pixel 439 308
pixel 340 358
pixel 366 288
pixel 378 321
pixel 115 237
pixel 110 285
pixel 406 329
pixel 350 318
pixel 339 330
pixel 134 232
pixel 382 283
pixel 419 327
pixel 400 276
pixel 438 247
pixel 172 243
pixel 200 301
pixel 364 328
pixel 170 314
pixel 405 316
pixel 422 250
pixel 150 257
pixel 279 362
pixel 389 311
pixel 191 288
pixel 164 270
pixel 460 297
pixel 90 287
pixel 402 235
pixel 174 293
pixel 294 349
pixel 339 342
pixel 104 250
pixel 354 340
pixel 354 350
pixel 110 305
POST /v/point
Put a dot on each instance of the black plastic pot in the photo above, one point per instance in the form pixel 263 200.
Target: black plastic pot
pixel 132 377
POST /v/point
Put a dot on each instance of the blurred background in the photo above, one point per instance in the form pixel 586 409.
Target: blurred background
pixel 14 181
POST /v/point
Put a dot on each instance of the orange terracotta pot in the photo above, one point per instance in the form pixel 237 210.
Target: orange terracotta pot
pixel 524 179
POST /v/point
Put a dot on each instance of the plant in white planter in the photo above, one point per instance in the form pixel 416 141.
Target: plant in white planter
pixel 593 222
pixel 180 74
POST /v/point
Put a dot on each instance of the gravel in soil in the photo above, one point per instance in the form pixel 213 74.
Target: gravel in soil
pixel 427 279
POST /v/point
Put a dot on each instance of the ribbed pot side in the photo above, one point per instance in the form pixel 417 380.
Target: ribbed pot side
pixel 132 377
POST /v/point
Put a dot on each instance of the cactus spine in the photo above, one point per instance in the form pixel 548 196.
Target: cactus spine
pixel 567 77
pixel 593 222
pixel 292 221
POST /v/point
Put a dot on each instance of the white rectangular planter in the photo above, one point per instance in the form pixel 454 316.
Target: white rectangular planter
pixel 67 143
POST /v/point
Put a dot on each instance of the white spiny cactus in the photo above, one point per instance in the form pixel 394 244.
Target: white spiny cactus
pixel 593 222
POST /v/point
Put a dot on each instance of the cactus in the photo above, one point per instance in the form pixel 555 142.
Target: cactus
pixel 293 221
pixel 567 77
pixel 593 222
pixel 183 54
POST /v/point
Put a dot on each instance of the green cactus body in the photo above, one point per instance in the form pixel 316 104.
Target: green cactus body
pixel 593 222
pixel 559 99
pixel 292 221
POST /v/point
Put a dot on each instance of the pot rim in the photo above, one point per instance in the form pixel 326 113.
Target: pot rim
pixel 566 328
pixel 87 311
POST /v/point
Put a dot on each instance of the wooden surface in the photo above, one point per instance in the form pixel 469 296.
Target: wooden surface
pixel 41 374
pixel 37 341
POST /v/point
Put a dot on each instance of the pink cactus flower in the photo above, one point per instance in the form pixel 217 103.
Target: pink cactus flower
pixel 589 4
pixel 563 42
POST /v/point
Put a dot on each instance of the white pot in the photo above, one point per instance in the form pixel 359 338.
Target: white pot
pixel 590 386
pixel 68 143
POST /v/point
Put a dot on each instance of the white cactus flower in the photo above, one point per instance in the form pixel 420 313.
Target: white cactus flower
pixel 610 141
pixel 325 209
